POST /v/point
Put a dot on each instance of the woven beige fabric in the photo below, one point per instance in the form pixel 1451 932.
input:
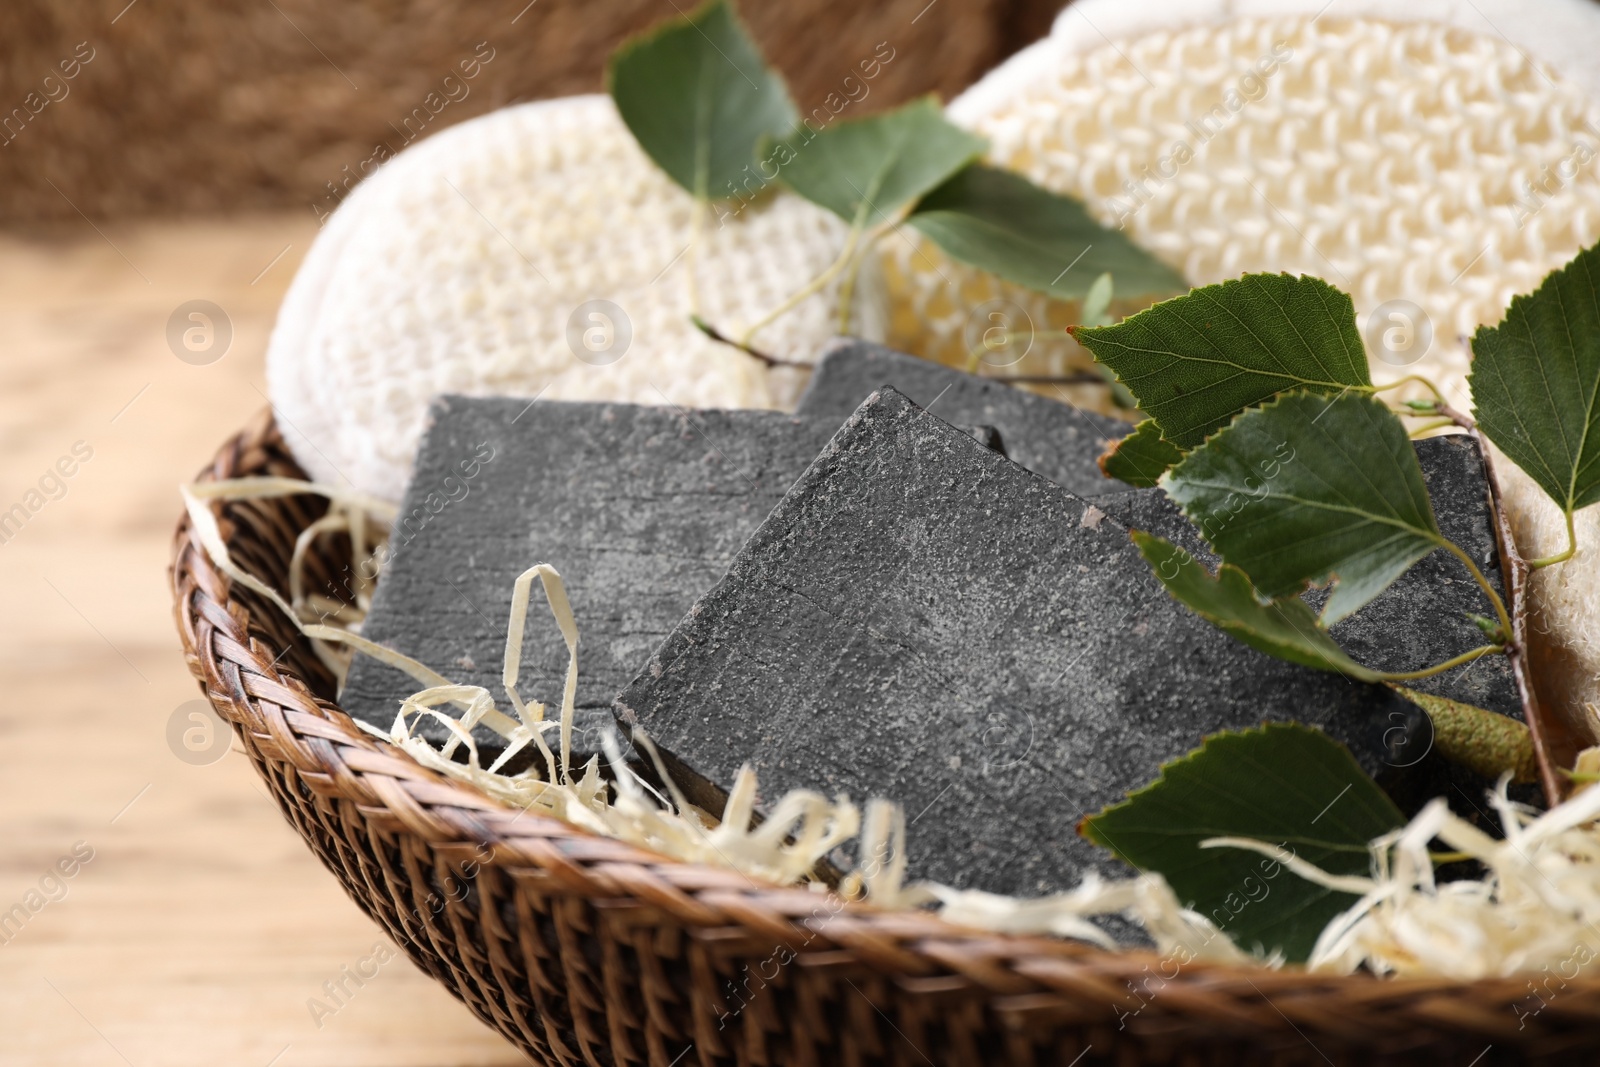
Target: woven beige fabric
pixel 1401 161
pixel 468 264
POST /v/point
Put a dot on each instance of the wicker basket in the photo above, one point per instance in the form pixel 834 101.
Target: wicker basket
pixel 586 950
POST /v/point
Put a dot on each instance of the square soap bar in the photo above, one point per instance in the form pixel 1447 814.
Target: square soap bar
pixel 641 509
pixel 923 620
pixel 1049 437
pixel 1424 617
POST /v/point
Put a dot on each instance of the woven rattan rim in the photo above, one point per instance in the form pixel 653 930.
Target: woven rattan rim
pixel 581 949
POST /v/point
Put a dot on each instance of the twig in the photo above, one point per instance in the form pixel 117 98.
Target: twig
pixel 717 335
pixel 1554 748
pixel 1464 421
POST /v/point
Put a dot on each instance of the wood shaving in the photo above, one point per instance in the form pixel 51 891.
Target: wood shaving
pixel 1537 905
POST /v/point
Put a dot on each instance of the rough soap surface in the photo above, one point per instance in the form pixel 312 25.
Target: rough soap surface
pixel 1423 618
pixel 923 620
pixel 534 249
pixel 1048 437
pixel 641 509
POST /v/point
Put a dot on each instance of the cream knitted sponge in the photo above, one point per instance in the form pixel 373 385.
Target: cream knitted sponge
pixel 1394 159
pixel 1388 158
pixel 468 263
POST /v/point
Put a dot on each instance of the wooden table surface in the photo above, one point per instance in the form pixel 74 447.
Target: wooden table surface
pixel 201 928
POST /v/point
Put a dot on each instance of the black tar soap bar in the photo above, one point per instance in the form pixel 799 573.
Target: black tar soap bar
pixel 923 620
pixel 641 509
pixel 1424 617
pixel 1051 438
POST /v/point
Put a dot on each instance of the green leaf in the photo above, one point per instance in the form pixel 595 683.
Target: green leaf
pixel 869 170
pixel 1307 490
pixel 1536 382
pixel 1002 223
pixel 699 98
pixel 1477 738
pixel 1284 785
pixel 1196 361
pixel 1141 458
pixel 1285 628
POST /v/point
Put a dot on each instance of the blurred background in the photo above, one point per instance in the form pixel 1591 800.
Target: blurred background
pixel 154 906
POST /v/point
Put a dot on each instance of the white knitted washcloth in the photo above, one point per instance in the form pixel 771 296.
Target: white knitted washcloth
pixel 1450 163
pixel 473 263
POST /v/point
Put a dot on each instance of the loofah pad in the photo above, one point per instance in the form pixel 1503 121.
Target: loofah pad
pixel 1439 163
pixel 468 264
pixel 1388 158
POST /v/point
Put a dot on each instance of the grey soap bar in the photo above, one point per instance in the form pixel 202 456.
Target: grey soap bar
pixel 1051 438
pixel 923 620
pixel 641 509
pixel 1423 618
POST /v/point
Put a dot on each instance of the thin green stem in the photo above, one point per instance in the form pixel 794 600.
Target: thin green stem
pixel 697 218
pixel 847 290
pixel 1434 389
pixel 983 348
pixel 1440 668
pixel 1500 612
pixel 1436 424
pixel 1562 556
pixel 847 287
pixel 811 288
pixel 1076 378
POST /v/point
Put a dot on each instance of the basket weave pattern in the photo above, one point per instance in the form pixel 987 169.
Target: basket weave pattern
pixel 584 950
